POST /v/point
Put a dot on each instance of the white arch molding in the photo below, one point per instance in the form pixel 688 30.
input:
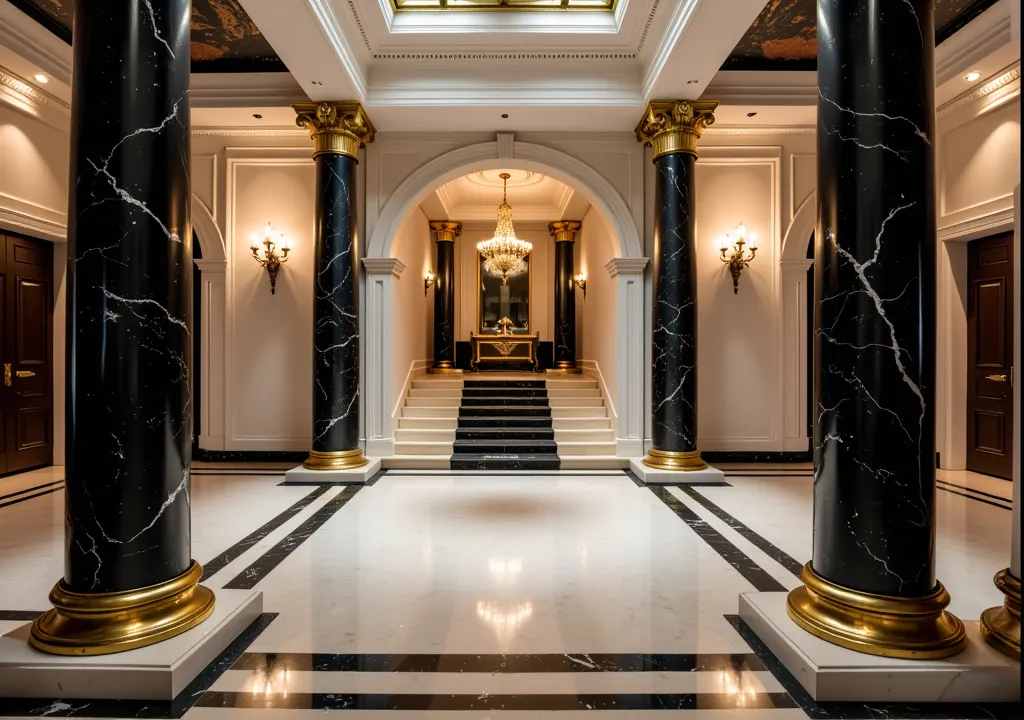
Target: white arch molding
pixel 794 326
pixel 472 159
pixel 213 268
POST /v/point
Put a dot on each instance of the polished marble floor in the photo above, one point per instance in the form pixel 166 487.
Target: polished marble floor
pixel 495 596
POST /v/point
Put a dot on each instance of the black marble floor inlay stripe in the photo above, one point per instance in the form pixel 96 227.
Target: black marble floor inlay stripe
pixel 186 699
pixel 1004 505
pixel 499 664
pixel 31 489
pixel 255 573
pixel 980 492
pixel 493 703
pixel 744 565
pixel 19 615
pixel 775 553
pixel 22 499
pixel 867 710
pixel 218 563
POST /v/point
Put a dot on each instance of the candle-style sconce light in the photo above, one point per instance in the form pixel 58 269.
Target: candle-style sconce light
pixel 428 280
pixel 743 247
pixel 580 281
pixel 271 260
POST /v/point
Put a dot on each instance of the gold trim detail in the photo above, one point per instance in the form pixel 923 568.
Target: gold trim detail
pixel 335 460
pixel 672 460
pixel 443 370
pixel 564 371
pixel 675 126
pixel 337 128
pixel 1000 626
pixel 446 230
pixel 105 623
pixel 910 628
pixel 564 230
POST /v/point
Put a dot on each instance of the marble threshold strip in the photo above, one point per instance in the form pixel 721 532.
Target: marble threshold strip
pixel 257 571
pixel 185 700
pixel 19 615
pixel 58 485
pixel 972 494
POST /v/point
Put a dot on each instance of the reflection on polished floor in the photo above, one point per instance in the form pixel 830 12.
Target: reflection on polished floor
pixel 476 596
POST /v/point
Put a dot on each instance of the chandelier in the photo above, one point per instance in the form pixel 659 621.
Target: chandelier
pixel 504 254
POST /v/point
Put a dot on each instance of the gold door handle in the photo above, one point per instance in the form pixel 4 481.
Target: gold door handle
pixel 996 378
pixel 7 374
pixel 29 373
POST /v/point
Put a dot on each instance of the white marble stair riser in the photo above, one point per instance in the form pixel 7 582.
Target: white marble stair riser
pixel 585 448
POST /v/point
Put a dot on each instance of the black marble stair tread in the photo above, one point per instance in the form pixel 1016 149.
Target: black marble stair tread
pixel 508 410
pixel 505 433
pixel 510 384
pixel 505 421
pixel 505 461
pixel 505 392
pixel 500 400
pixel 515 447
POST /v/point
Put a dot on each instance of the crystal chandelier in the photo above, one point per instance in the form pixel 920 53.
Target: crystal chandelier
pixel 504 253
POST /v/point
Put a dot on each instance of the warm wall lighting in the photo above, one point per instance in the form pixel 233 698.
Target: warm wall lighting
pixel 580 280
pixel 972 76
pixel 271 260
pixel 428 280
pixel 739 258
pixel 40 78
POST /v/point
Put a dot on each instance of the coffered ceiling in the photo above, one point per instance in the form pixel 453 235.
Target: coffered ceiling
pixel 533 197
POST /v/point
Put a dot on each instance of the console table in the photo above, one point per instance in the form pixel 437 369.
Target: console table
pixel 503 349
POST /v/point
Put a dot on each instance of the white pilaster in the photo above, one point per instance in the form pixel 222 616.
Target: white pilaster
pixel 629 276
pixel 380 439
pixel 211 362
pixel 794 358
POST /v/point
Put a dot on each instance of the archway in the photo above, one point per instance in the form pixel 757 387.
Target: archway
pixel 796 309
pixel 211 260
pixel 626 270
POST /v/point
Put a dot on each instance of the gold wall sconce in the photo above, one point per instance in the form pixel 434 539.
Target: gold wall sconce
pixel 428 280
pixel 580 281
pixel 271 260
pixel 739 258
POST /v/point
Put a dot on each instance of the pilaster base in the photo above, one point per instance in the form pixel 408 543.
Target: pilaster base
pixel 302 475
pixel 1000 626
pixel 444 371
pixel 155 672
pixel 831 673
pixel 656 476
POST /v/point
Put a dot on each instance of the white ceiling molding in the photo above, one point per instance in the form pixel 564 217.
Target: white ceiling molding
pixel 18 93
pixel 979 38
pixel 324 15
pixel 32 41
pixel 681 15
pixel 764 87
pixel 716 130
pixel 249 131
pixel 995 92
pixel 269 89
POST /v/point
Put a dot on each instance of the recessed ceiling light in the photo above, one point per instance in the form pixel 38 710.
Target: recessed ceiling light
pixel 505 116
pixel 40 78
pixel 972 76
pixel 751 114
pixel 257 116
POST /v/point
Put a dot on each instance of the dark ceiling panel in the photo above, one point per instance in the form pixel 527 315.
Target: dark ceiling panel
pixel 224 37
pixel 785 35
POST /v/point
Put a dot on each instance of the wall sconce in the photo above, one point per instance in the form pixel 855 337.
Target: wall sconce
pixel 580 280
pixel 428 280
pixel 739 259
pixel 270 260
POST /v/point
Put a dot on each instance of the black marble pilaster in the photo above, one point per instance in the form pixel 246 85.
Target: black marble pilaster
pixel 129 289
pixel 674 364
pixel 335 307
pixel 874 345
pixel 565 306
pixel 444 295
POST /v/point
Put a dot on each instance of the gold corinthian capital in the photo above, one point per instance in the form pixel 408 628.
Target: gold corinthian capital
pixel 674 126
pixel 338 128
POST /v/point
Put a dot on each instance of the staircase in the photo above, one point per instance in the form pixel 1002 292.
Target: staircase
pixel 449 423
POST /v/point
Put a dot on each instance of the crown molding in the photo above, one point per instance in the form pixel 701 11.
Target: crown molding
pixel 249 132
pixel 268 89
pixel 21 95
pixel 30 40
pixel 740 130
pixel 324 13
pixel 763 87
pixel 681 16
pixel 1006 80
pixel 977 40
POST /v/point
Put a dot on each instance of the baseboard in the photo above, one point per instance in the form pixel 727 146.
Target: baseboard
pixel 743 456
pixel 381 448
pixel 249 456
pixel 629 447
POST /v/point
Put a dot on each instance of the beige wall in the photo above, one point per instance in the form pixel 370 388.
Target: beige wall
pixel 412 313
pixel 598 313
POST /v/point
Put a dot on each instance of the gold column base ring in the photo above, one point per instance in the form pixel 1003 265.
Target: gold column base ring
pixel 335 460
pixel 672 460
pixel 442 369
pixel 911 628
pixel 104 623
pixel 1000 626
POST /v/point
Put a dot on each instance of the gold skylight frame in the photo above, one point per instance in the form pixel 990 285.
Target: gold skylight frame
pixel 503 5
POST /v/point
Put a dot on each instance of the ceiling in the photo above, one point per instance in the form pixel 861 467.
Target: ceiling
pixel 224 37
pixel 785 35
pixel 533 197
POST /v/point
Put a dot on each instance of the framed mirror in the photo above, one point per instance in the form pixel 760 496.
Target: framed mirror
pixel 498 301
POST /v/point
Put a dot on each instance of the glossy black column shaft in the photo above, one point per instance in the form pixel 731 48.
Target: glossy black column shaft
pixel 564 233
pixel 444 294
pixel 674 367
pixel 874 346
pixel 129 289
pixel 335 307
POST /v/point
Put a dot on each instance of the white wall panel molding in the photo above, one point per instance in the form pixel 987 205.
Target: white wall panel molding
pixel 18 93
pixel 629 429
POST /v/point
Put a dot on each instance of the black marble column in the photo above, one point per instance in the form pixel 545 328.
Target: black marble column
pixel 672 128
pixel 129 344
pixel 874 345
pixel 444 296
pixel 339 130
pixel 564 232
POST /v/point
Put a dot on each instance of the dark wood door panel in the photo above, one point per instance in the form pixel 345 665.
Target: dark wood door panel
pixel 990 356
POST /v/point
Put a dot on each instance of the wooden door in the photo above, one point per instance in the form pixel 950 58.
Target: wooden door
pixel 990 356
pixel 26 278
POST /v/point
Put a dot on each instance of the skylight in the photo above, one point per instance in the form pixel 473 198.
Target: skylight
pixel 506 5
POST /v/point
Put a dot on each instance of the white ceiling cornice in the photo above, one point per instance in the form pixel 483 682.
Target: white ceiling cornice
pixel 764 87
pixel 979 38
pixel 21 95
pixel 244 90
pixel 995 91
pixel 218 131
pixel 339 43
pixel 26 37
